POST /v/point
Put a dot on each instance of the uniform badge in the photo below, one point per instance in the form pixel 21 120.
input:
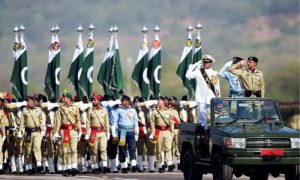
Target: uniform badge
pixel 156 44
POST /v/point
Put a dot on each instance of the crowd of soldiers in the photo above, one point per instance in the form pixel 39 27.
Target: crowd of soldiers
pixel 107 135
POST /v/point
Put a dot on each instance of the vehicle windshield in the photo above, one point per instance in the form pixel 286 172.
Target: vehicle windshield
pixel 236 110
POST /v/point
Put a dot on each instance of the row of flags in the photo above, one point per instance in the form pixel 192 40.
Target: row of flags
pixel 146 73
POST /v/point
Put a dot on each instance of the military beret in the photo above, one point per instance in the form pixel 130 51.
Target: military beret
pixel 125 98
pixel 68 95
pixel 253 58
pixel 161 98
pixel 173 98
pixel 236 59
pixel 98 97
pixel 208 58
pixel 30 98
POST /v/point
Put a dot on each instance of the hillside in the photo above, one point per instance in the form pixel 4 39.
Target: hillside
pixel 263 28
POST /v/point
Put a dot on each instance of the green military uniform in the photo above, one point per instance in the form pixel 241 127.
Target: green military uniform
pixel 253 82
pixel 68 125
pixel 98 132
pixel 33 121
pixel 162 125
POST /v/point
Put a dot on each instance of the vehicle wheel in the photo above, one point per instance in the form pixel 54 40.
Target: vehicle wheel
pixel 189 168
pixel 293 174
pixel 220 170
pixel 259 176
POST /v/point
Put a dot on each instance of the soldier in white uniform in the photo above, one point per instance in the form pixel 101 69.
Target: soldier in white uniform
pixel 208 85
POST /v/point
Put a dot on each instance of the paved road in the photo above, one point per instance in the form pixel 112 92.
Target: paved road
pixel 119 176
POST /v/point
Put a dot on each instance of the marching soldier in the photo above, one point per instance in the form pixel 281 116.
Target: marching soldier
pixel 126 120
pixel 68 128
pixel 33 121
pixel 252 79
pixel 176 120
pixel 163 127
pixel 2 134
pixel 98 134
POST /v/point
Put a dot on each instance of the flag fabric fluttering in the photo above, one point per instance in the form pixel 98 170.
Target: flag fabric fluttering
pixel 52 79
pixel 110 74
pixel 139 74
pixel 19 75
pixel 154 65
pixel 197 51
pixel 86 77
pixel 185 61
pixel 78 57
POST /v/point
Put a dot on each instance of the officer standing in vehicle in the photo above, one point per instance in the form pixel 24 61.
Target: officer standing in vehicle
pixel 252 79
pixel 162 129
pixel 235 86
pixel 98 134
pixel 68 128
pixel 33 120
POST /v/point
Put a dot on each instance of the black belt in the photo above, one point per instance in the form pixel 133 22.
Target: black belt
pixel 37 129
pixel 249 93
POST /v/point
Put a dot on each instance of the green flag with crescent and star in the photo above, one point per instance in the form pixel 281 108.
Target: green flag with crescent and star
pixel 197 55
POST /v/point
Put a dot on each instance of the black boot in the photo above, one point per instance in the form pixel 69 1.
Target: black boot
pixel 171 168
pixel 161 170
pixel 65 173
pixel 124 170
pixel 104 170
pixel 95 171
pixel 40 169
pixel 1 171
pixel 134 169
pixel 74 171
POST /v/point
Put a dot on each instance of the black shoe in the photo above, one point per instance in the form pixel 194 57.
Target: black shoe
pixel 100 169
pixel 95 171
pixel 30 171
pixel 171 168
pixel 46 169
pixel 74 172
pixel 134 169
pixel 65 173
pixel 1 171
pixel 124 170
pixel 140 170
pixel 151 171
pixel 104 170
pixel 40 169
pixel 116 171
pixel 108 170
pixel 58 172
pixel 161 170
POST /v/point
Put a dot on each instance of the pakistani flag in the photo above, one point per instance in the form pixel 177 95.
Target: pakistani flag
pixel 86 78
pixel 185 61
pixel 20 72
pixel 110 75
pixel 154 65
pixel 197 52
pixel 139 74
pixel 105 69
pixel 78 57
pixel 53 70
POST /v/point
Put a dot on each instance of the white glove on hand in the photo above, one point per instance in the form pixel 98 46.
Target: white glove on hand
pixel 13 129
pixel 19 136
pixel 108 136
pixel 136 137
pixel 3 138
pixel 87 137
pixel 21 104
pixel 56 137
pixel 151 137
pixel 43 132
pixel 52 106
pixel 79 136
pixel 83 107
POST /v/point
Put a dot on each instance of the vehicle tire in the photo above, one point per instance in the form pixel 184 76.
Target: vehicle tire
pixel 189 168
pixel 259 175
pixel 220 170
pixel 293 174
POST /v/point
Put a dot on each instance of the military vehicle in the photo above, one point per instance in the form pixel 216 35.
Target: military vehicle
pixel 246 136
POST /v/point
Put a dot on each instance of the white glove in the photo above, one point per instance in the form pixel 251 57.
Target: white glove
pixel 43 132
pixel 150 103
pixel 83 107
pixel 19 136
pixel 136 137
pixel 87 137
pixel 108 136
pixel 113 103
pixel 13 129
pixel 79 136
pixel 52 106
pixel 113 132
pixel 21 104
pixel 3 138
pixel 56 137
pixel 151 137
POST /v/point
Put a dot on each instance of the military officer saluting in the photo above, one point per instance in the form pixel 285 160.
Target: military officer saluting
pixel 98 133
pixel 252 79
pixel 162 129
pixel 33 121
pixel 68 128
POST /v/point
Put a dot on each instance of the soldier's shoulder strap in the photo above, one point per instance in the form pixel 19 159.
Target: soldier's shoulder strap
pixel 208 81
pixel 162 117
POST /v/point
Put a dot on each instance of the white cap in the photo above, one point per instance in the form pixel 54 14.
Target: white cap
pixel 207 57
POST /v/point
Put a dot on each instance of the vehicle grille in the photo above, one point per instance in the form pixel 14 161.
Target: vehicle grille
pixel 268 143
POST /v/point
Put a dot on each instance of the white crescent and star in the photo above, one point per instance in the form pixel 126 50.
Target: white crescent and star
pixel 24 81
pixel 145 76
pixel 89 74
pixel 57 70
pixel 155 74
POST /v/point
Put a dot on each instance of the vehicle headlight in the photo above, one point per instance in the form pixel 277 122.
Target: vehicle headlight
pixel 235 142
pixel 295 143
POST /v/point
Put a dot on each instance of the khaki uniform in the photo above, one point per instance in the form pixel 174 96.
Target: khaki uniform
pixel 2 135
pixel 175 150
pixel 68 124
pixel 98 131
pixel 253 82
pixel 33 121
pixel 163 125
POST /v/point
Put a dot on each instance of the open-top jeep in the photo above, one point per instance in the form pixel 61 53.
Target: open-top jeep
pixel 246 136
